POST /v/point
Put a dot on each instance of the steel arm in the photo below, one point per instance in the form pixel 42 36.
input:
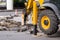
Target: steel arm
pixel 30 4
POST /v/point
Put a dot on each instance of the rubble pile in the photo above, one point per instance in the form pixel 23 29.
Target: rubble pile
pixel 7 23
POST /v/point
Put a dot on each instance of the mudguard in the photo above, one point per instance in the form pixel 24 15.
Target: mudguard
pixel 53 7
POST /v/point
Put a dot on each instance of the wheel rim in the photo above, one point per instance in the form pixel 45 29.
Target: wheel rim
pixel 45 22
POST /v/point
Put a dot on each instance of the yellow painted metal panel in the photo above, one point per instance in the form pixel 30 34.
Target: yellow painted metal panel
pixel 30 3
pixel 35 13
pixel 41 2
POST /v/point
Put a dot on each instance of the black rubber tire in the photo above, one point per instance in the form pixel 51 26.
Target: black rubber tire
pixel 53 22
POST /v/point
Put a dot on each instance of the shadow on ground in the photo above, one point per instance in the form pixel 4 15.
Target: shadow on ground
pixel 56 35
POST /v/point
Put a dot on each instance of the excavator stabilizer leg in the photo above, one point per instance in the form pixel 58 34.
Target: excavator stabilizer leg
pixel 35 17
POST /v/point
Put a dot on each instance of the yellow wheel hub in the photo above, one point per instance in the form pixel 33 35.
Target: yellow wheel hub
pixel 45 22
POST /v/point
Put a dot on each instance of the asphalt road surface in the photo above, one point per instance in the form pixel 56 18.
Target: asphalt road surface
pixel 13 35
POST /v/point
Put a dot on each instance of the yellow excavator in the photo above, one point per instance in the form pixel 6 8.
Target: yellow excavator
pixel 44 14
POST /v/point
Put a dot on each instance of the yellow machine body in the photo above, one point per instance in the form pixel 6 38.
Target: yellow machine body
pixel 41 2
pixel 34 14
pixel 31 5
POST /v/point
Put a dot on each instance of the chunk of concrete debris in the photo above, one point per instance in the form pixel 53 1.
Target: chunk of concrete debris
pixel 0 28
pixel 3 28
pixel 9 23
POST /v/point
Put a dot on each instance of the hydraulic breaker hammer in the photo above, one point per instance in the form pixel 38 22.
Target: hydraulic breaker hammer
pixel 35 17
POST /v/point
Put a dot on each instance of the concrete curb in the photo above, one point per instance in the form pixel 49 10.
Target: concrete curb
pixel 10 10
